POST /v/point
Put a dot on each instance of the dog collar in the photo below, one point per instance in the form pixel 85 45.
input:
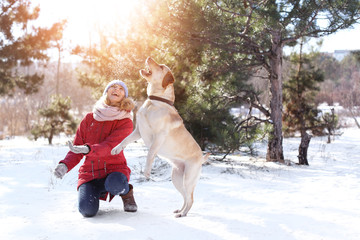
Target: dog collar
pixel 161 100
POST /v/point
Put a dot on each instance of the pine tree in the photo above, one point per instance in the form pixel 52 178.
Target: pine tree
pixel 56 119
pixel 222 40
pixel 206 114
pixel 255 33
pixel 21 45
pixel 330 124
pixel 201 98
pixel 300 113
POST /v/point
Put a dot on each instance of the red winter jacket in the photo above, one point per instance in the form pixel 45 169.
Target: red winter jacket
pixel 101 137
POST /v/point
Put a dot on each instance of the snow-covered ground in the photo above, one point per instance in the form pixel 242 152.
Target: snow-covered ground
pixel 242 198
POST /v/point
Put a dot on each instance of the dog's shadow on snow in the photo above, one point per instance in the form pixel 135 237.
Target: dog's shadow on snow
pixel 149 224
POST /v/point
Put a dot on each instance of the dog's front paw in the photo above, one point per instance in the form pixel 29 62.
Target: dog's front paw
pixel 147 174
pixel 117 149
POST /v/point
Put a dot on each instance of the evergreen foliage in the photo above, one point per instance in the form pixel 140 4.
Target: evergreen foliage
pixel 301 114
pixel 56 119
pixel 254 33
pixel 330 124
pixel 21 45
pixel 300 111
pixel 201 99
pixel 210 43
pixel 206 114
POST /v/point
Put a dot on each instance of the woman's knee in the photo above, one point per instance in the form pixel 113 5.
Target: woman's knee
pixel 88 200
pixel 88 208
pixel 117 184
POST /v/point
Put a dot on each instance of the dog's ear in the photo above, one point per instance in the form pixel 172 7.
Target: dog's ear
pixel 168 79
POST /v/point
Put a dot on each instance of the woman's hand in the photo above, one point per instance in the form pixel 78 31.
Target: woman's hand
pixel 60 170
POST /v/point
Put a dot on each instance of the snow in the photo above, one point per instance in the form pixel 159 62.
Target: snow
pixel 241 198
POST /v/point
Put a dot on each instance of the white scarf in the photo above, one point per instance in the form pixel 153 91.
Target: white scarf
pixel 103 112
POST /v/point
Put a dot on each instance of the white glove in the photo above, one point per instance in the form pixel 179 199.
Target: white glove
pixel 78 149
pixel 60 170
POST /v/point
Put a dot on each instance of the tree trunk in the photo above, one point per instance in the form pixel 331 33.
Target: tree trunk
pixel 329 136
pixel 58 70
pixel 354 117
pixel 275 148
pixel 331 125
pixel 303 148
pixel 51 135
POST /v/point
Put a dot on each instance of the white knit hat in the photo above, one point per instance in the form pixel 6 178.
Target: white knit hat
pixel 113 82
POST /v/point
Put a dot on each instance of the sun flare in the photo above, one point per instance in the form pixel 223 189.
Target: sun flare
pixel 85 18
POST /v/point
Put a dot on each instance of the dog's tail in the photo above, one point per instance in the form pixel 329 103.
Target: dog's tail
pixel 206 157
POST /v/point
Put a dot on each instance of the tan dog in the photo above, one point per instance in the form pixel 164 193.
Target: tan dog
pixel 162 129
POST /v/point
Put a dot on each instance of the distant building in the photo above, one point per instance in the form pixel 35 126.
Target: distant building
pixel 340 54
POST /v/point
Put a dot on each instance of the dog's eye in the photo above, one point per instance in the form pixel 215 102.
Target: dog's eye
pixel 162 67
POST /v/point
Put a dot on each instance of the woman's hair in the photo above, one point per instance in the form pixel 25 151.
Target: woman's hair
pixel 126 104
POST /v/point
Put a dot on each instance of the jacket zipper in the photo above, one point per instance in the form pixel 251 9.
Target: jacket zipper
pixel 99 167
pixel 92 169
pixel 92 162
pixel 102 130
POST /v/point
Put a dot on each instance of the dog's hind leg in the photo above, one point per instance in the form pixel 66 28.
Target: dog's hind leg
pixel 191 176
pixel 177 178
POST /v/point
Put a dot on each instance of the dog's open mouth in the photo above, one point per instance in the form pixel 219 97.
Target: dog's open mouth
pixel 149 66
pixel 147 70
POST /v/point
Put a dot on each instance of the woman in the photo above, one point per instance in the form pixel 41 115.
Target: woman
pixel 100 131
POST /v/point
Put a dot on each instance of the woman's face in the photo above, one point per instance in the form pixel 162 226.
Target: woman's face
pixel 115 94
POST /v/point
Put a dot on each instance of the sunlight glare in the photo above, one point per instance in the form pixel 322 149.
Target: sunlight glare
pixel 86 17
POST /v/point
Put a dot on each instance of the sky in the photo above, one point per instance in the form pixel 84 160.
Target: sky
pixel 86 15
pixel 343 40
pixel 347 39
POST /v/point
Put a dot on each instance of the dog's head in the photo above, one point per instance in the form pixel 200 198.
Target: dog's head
pixel 157 73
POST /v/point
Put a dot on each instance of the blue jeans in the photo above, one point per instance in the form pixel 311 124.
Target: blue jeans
pixel 89 193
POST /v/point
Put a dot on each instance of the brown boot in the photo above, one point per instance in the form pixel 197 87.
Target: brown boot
pixel 129 201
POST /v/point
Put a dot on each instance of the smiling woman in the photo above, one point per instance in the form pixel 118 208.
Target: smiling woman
pixel 86 17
